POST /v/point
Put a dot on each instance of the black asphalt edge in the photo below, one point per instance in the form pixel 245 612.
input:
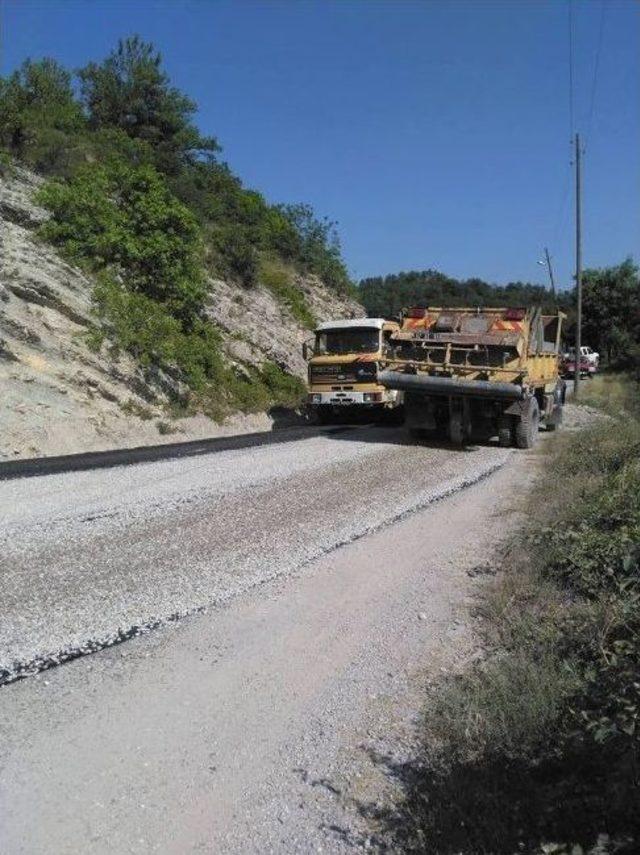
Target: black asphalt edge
pixel 21 670
pixel 38 466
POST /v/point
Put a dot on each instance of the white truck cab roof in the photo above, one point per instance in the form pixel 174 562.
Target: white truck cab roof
pixel 351 323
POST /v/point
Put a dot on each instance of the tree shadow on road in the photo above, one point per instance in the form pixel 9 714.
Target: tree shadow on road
pixel 578 798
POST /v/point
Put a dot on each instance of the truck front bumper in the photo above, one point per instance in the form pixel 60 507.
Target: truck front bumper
pixel 352 399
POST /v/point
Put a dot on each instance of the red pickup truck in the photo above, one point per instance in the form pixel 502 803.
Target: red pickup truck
pixel 568 366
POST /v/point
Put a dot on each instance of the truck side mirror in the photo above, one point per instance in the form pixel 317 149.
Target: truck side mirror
pixel 305 351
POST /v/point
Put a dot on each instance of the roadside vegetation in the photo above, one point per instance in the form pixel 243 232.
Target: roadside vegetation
pixel 141 198
pixel 536 748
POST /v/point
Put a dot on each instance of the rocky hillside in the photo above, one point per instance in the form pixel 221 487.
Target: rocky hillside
pixel 60 396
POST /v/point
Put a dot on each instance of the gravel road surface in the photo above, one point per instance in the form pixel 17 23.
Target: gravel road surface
pixel 248 726
pixel 89 557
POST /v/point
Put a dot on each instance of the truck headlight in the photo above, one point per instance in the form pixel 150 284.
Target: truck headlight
pixel 315 399
pixel 372 397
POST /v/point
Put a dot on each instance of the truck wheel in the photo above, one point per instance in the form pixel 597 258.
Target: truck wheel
pixel 526 432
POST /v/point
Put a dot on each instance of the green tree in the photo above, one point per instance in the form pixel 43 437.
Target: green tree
pixel 611 312
pixel 126 218
pixel 129 90
pixel 38 113
pixel 318 245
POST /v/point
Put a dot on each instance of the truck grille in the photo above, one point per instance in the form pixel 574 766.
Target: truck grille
pixel 356 372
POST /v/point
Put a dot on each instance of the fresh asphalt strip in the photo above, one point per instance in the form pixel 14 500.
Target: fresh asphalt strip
pixel 35 466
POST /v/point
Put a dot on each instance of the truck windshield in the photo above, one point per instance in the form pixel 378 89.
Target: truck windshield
pixel 353 340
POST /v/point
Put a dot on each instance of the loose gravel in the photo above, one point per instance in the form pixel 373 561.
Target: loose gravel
pixel 93 558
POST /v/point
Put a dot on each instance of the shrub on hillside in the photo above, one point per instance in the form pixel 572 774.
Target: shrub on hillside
pixel 319 246
pixel 232 254
pixel 146 329
pixel 128 113
pixel 124 217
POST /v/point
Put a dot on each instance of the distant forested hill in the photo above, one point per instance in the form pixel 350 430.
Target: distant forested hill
pixel 385 296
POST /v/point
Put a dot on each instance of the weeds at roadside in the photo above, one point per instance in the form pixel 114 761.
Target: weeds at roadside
pixel 165 428
pixel 133 408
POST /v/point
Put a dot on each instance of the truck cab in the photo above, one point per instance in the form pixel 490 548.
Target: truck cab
pixel 343 365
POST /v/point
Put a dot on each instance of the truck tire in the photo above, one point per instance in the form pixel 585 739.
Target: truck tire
pixel 526 432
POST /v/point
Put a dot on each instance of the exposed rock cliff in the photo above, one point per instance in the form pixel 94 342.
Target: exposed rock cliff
pixel 58 396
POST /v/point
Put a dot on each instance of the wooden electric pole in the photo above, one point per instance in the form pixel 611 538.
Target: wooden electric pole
pixel 576 387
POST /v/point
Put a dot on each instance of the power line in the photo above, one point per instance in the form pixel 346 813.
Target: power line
pixel 561 219
pixel 571 125
pixel 596 68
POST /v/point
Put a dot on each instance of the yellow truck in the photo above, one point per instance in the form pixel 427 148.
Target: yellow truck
pixel 343 365
pixel 478 372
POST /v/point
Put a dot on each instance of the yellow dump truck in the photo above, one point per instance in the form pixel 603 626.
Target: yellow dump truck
pixel 343 364
pixel 478 372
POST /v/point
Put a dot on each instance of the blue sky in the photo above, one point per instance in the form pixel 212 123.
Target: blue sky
pixel 435 133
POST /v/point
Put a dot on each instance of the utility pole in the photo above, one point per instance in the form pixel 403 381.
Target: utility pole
pixel 576 387
pixel 550 269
